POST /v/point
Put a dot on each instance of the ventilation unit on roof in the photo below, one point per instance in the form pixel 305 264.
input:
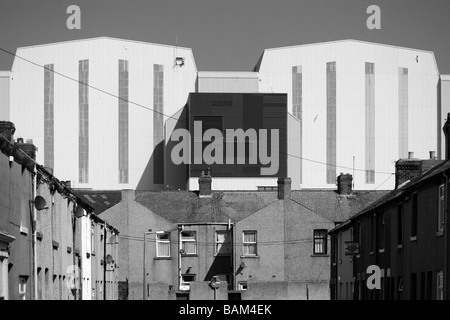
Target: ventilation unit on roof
pixel 179 61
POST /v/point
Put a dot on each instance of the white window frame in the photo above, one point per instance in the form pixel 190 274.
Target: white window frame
pixel 324 243
pixel 226 244
pixel 189 239
pixel 185 285
pixel 247 244
pixel 3 276
pixel 162 241
pixel 441 208
pixel 440 285
pixel 242 285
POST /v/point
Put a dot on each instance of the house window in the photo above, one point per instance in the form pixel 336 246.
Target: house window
pixel 440 285
pixel 381 231
pixel 320 241
pixel 441 208
pixel 414 216
pixel 23 287
pixel 3 277
pixel 186 280
pixel 188 242
pixel 222 242
pixel 249 242
pixel 399 225
pixel 162 245
pixel 93 233
pixel 242 285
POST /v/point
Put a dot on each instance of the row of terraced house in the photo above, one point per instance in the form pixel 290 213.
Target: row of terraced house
pixel 52 244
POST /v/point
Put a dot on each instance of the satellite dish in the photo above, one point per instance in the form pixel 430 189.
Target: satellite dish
pixel 40 203
pixel 79 211
pixel 112 239
pixel 109 258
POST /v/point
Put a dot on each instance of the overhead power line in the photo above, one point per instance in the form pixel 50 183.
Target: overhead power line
pixel 165 115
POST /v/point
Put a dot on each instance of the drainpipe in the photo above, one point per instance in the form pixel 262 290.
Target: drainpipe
pixel 180 228
pixel 34 225
pixel 104 262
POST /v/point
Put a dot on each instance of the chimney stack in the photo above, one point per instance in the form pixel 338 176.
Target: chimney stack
pixel 30 150
pixel 344 184
pixel 432 155
pixel 284 188
pixel 204 184
pixel 7 130
pixel 446 130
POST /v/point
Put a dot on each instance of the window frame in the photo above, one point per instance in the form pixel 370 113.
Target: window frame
pixel 159 241
pixel 324 243
pixel 242 285
pixel 247 244
pixel 190 240
pixel 441 208
pixel 216 243
pixel 440 288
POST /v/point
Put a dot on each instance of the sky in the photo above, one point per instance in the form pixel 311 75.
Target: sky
pixel 229 35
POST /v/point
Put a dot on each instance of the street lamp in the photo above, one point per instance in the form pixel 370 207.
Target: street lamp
pixel 145 274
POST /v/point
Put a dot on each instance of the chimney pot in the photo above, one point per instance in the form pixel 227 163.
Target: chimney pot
pixel 204 184
pixel 344 183
pixel 410 155
pixel 432 155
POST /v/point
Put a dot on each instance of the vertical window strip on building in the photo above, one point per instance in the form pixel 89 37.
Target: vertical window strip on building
pixel 297 100
pixel 370 122
pixel 49 135
pixel 331 122
pixel 83 118
pixel 158 123
pixel 402 112
pixel 123 121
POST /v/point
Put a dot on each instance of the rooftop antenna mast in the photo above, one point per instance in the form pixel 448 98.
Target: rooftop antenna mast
pixel 353 180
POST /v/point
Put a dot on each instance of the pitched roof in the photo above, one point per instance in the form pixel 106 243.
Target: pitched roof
pixel 99 200
pixel 333 206
pixel 407 186
pixel 188 207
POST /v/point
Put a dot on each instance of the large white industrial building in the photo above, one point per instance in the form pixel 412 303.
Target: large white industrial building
pixel 360 107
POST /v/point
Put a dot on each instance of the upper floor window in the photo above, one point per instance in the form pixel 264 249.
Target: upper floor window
pixel 188 242
pixel 223 242
pixel 320 241
pixel 399 225
pixel 414 216
pixel 441 208
pixel 163 245
pixel 440 285
pixel 249 243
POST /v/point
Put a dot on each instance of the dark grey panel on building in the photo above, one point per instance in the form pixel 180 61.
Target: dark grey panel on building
pixel 370 122
pixel 244 111
pixel 331 122
pixel 402 112
pixel 297 100
pixel 123 121
pixel 83 106
pixel 49 118
pixel 158 124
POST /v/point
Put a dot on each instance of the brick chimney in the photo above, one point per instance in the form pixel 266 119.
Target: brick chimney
pixel 284 188
pixel 204 184
pixel 7 130
pixel 29 149
pixel 411 168
pixel 344 184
